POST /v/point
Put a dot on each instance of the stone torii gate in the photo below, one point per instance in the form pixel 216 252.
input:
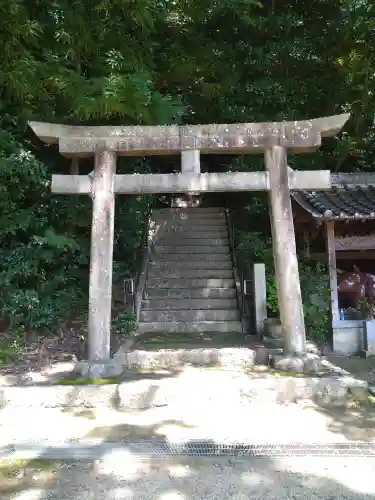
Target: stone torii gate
pixel 271 139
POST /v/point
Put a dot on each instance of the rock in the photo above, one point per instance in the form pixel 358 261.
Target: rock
pixel 288 364
pixel 311 363
pixel 273 328
pixel 312 348
pixel 358 388
pixel 325 349
pixel 236 357
pixel 262 355
pixel 108 369
pixel 120 358
pixel 129 344
pixel 140 395
pixel 98 369
pixel 331 392
pixel 82 368
pixel 360 393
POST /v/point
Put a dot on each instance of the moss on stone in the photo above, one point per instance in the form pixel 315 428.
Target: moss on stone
pixel 88 381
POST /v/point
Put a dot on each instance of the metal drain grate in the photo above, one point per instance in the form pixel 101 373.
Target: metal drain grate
pixel 159 448
pixel 208 449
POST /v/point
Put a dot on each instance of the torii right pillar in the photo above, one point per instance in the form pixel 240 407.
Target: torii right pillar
pixel 284 241
pixel 285 253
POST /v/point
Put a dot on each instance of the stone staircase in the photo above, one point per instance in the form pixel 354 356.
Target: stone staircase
pixel 190 284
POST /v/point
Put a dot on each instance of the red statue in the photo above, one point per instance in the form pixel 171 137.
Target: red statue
pixel 356 284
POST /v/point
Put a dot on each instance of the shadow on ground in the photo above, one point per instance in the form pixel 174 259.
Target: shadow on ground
pixel 355 422
pixel 363 369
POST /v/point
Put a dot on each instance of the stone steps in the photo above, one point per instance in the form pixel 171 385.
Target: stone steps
pixel 190 210
pixel 188 304
pixel 187 214
pixel 189 273
pixel 190 315
pixel 187 293
pixel 178 241
pixel 189 249
pixel 191 283
pixel 193 257
pixel 195 265
pixel 217 222
pixel 195 231
pixel 190 327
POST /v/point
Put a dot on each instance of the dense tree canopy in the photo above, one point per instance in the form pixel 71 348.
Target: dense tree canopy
pixel 157 62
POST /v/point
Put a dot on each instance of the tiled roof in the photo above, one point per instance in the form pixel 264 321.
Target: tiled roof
pixel 352 197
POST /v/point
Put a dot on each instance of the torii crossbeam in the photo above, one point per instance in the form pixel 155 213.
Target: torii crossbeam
pixel 271 139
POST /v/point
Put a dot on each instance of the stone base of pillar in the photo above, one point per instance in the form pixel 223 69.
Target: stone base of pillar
pixel 98 369
pixel 308 363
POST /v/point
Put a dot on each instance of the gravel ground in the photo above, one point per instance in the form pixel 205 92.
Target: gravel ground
pixel 252 423
pixel 123 477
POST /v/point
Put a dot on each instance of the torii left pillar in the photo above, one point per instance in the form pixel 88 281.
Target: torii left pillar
pixel 101 260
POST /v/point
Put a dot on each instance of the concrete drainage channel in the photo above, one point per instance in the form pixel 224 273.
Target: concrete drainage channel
pixel 161 449
pixel 222 408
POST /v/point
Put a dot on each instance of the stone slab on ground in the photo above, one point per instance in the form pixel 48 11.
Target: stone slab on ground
pixel 235 357
pixel 155 389
pixel 123 360
pixel 57 396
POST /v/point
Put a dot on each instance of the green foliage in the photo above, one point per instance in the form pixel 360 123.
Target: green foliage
pixel 124 324
pixel 8 351
pixel 155 62
pixel 44 242
pixel 255 247
pixel 316 299
pixel 367 308
pixel 38 266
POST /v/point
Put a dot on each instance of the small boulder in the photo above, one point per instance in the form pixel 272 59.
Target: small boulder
pixel 82 368
pixel 311 363
pixel 312 348
pixel 360 393
pixel 358 388
pixel 262 355
pixel 331 392
pixel 288 364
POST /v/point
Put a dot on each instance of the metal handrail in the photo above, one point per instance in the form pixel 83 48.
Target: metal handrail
pixel 143 274
pixel 238 273
pixel 142 279
pixel 134 287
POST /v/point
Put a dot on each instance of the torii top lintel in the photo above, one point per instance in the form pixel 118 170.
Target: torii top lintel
pixel 238 138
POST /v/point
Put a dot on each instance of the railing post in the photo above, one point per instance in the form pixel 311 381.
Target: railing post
pixel 129 291
pixel 260 298
pixel 237 277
